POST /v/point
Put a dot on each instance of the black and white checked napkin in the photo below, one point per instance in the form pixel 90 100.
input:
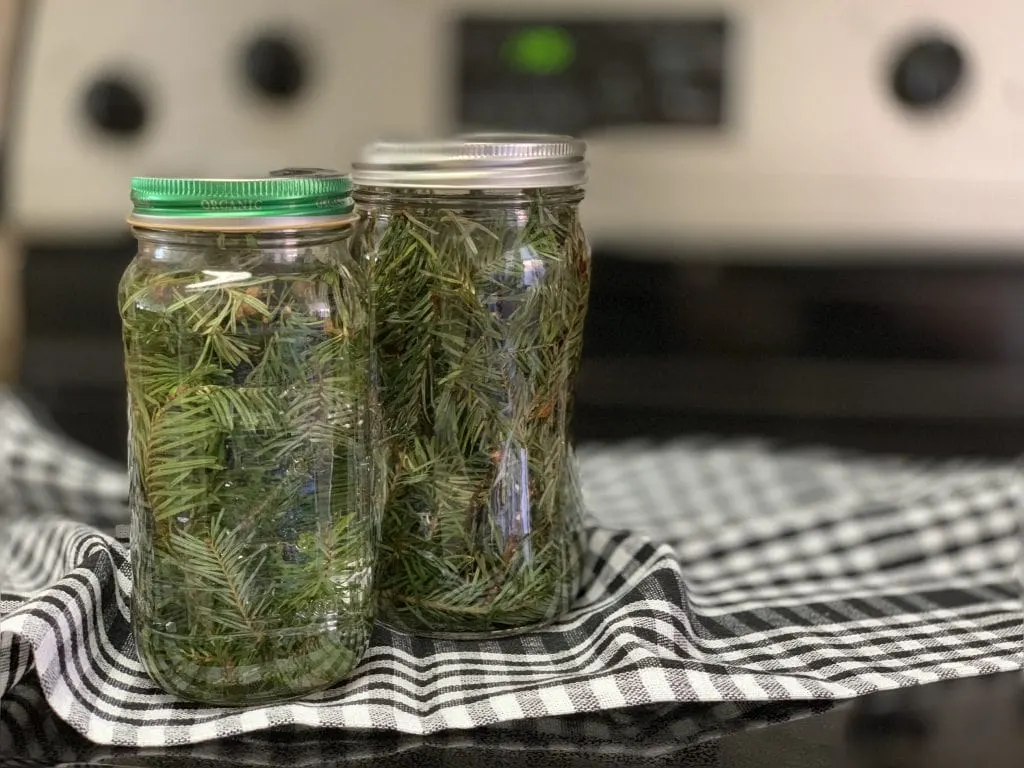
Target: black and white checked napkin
pixel 30 730
pixel 719 571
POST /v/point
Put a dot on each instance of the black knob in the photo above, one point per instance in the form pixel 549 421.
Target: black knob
pixel 927 72
pixel 115 106
pixel 274 67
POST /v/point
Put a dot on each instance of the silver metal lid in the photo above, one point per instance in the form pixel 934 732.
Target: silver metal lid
pixel 317 172
pixel 474 161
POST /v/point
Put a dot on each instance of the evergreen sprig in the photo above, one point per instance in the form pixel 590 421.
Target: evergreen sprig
pixel 255 497
pixel 480 311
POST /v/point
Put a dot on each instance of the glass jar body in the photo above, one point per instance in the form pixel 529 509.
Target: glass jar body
pixel 480 300
pixel 255 489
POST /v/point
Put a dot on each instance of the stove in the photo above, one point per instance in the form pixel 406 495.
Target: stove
pixel 805 217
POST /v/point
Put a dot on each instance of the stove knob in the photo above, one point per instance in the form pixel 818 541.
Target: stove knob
pixel 114 106
pixel 927 72
pixel 274 67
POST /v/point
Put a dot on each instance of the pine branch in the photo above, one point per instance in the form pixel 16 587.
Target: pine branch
pixel 251 421
pixel 479 326
pixel 229 568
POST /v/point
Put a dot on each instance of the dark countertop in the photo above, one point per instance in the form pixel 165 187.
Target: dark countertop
pixel 972 722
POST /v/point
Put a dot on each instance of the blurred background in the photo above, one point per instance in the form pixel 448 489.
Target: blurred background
pixel 807 217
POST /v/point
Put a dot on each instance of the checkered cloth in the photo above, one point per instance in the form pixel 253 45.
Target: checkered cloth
pixel 30 730
pixel 718 571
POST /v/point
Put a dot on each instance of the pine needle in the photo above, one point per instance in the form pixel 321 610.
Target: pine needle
pixel 480 317
pixel 255 495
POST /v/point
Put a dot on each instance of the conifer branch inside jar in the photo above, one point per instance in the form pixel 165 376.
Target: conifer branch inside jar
pixel 255 490
pixel 481 276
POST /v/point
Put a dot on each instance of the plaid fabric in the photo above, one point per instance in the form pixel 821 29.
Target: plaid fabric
pixel 30 730
pixel 718 572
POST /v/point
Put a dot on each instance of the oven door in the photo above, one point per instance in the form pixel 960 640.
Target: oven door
pixel 926 356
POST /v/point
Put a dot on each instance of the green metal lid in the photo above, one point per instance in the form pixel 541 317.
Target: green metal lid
pixel 294 195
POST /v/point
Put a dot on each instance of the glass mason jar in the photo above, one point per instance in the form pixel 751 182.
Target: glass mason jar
pixel 481 275
pixel 254 485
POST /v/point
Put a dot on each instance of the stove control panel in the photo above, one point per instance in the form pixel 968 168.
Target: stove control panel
pixel 572 76
pixel 766 129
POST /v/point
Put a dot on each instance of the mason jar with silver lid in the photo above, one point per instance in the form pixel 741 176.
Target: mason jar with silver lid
pixel 481 275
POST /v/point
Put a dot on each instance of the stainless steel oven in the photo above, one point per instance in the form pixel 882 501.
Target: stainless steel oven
pixel 806 216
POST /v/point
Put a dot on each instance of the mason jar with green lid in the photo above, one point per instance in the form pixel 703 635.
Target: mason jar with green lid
pixel 254 454
pixel 481 274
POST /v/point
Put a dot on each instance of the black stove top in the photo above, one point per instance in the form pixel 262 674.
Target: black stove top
pixel 852 350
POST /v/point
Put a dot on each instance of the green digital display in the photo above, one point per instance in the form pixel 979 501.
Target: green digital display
pixel 542 50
